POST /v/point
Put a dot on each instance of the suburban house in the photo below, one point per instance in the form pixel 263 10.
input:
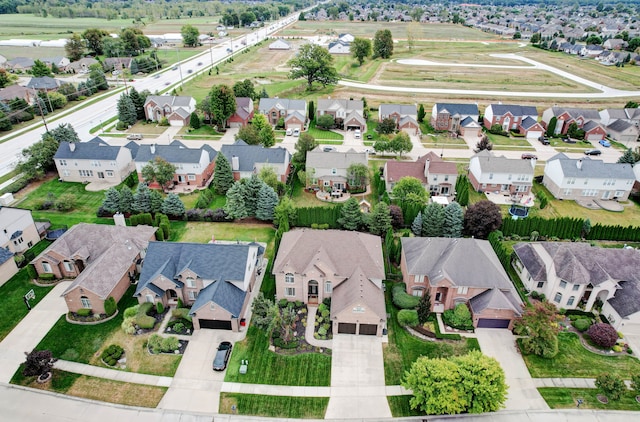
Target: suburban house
pixel 509 176
pixel 624 132
pixel 279 44
pixel 20 64
pixel 293 112
pixel 405 116
pixel 12 92
pixel 194 166
pixel 8 266
pixel 215 280
pixel 458 118
pixel 60 62
pixel 530 128
pixel 176 109
pixel 102 259
pixel 243 114
pixel 580 116
pixel 18 233
pixel 93 161
pixel 346 37
pixel 586 178
pixel 44 83
pixel 346 266
pixel 512 117
pixel 347 114
pixel 116 63
pixel 436 175
pixel 246 160
pixel 328 169
pixel 339 47
pixel 82 65
pixel 434 263
pixel 575 275
pixel 610 115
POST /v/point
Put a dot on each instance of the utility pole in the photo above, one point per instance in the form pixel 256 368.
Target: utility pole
pixel 179 67
pixel 211 50
pixel 41 112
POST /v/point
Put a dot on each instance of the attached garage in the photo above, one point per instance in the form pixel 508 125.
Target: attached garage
pixel 235 124
pixel 534 134
pixel 346 328
pixel 630 328
pixel 368 329
pixel 215 324
pixel 493 323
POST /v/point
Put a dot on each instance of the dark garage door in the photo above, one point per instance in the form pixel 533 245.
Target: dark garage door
pixel 493 323
pixel 216 324
pixel 345 328
pixel 368 329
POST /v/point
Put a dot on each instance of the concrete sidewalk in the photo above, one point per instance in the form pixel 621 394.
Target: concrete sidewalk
pixel 275 390
pixel 112 374
pixel 30 331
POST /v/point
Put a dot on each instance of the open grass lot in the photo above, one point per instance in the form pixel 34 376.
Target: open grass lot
pixel 403 349
pixel 320 134
pixel 201 232
pixel 13 308
pixel 575 361
pixel 266 367
pixel 274 406
pixel 400 407
pixel 147 129
pixel 87 203
pixel 441 140
pixel 190 200
pixel 567 398
pixel 505 141
pixel 459 52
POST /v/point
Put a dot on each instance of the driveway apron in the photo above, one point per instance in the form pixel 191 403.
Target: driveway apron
pixel 357 379
pixel 501 345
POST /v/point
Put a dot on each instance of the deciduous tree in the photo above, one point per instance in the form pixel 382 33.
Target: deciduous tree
pixel 74 47
pixel 611 386
pixel 539 323
pixel 190 35
pixel 382 44
pixel 358 176
pixel 244 89
pixel 249 134
pixel 159 170
pixel 407 187
pixel 386 126
pixel 304 144
pixel 315 64
pixel 326 121
pixel 93 37
pixel 401 143
pixel 482 218
pixel 360 49
pixel 221 104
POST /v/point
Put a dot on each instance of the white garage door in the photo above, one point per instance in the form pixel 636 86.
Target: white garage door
pixel 630 328
pixel 235 124
pixel 534 134
pixel 594 137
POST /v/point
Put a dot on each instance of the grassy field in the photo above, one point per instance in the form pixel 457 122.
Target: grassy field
pixel 201 232
pixel 274 406
pixel 573 360
pixel 266 367
pixel 567 398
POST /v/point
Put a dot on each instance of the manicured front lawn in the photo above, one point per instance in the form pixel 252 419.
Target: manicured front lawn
pixel 403 349
pixel 566 398
pixel 266 367
pixel 575 361
pixel 320 134
pixel 499 140
pixel 13 308
pixel 87 203
pixel 274 406
pixel 400 407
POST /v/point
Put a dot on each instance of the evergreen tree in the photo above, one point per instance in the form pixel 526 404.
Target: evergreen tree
pixel 138 103
pixel 111 201
pixel 350 215
pixel 285 213
pixel 267 201
pixel 235 206
pixel 223 177
pixel 126 110
pixel 416 226
pixel 551 128
pixel 629 157
pixel 142 199
pixel 251 191
pixel 421 113
pixel 462 190
pixel 453 220
pixel 173 206
pixel 126 200
pixel 5 122
pixel 433 220
pixel 312 110
pixel 194 122
pixel 424 306
pixel 156 200
pixel 380 219
pixel 97 77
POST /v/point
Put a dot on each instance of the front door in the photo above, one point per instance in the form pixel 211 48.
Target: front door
pixel 312 295
pixel 606 194
pixel 180 179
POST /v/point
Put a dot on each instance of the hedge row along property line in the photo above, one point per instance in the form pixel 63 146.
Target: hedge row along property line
pixel 568 228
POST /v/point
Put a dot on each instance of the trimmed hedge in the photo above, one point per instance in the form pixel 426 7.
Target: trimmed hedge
pixel 402 299
pixel 111 354
pixel 582 324
pixel 306 216
pixel 110 306
pixel 83 312
pixel 408 317
pixel 568 228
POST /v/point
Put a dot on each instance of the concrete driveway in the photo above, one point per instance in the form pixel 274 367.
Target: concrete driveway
pixel 501 345
pixel 357 379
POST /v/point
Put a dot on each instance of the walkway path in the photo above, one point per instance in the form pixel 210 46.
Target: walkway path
pixel 569 382
pixel 308 334
pixel 501 345
pixel 112 374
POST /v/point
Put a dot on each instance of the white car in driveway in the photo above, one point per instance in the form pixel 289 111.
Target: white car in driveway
pixel 296 132
pixel 289 132
pixel 357 134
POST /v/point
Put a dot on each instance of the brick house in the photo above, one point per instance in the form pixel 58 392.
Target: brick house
pixel 513 117
pixel 293 112
pixel 244 112
pixel 586 119
pixel 458 118
pixel 436 175
pixel 405 116
pixel 176 109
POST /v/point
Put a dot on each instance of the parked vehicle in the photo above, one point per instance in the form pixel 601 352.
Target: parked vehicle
pixel 568 140
pixel 222 356
pixel 605 143
pixel 370 151
pixel 357 134
pixel 289 132
pixel 529 156
pixel 296 132
pixel 592 152
pixel 329 149
pixel 544 140
pixel 134 137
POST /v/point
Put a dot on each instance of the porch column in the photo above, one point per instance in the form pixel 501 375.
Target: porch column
pixel 592 299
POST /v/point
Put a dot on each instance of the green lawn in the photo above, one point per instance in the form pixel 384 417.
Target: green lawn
pixel 322 135
pixel 201 232
pixel 87 203
pixel 566 398
pixel 274 406
pixel 302 198
pixel 13 308
pixel 266 367
pixel 403 349
pixel 499 140
pixel 400 407
pixel 575 361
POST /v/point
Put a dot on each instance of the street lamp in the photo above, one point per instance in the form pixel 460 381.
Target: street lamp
pixel 179 67
pixel 211 50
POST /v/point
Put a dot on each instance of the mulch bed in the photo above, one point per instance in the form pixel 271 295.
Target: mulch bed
pixel 303 346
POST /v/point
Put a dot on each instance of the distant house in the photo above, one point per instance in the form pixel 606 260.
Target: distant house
pixel 348 38
pixel 93 161
pixel 436 175
pixel 176 109
pixel 348 267
pixel 243 114
pixel 339 47
pixel 194 166
pixel 405 116
pixel 116 63
pixel 580 116
pixel 434 264
pixel 347 114
pixel 591 50
pixel 82 65
pixel 103 260
pixel 292 112
pixel 44 83
pixel 279 44
pixel 215 280
pixel 20 64
pixel 586 178
pixel 509 176
pixel 246 160
pixel 60 62
pixel 513 117
pixel 459 118
pixel 328 169
pixel 12 92
pixel 624 132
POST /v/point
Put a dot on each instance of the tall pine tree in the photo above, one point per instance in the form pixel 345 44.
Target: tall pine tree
pixel 142 199
pixel 433 220
pixel 126 200
pixel 235 206
pixel 453 220
pixel 126 110
pixel 138 103
pixel 350 215
pixel 267 201
pixel 173 206
pixel 156 200
pixel 251 190
pixel 416 226
pixel 223 177
pixel 380 219
pixel 111 201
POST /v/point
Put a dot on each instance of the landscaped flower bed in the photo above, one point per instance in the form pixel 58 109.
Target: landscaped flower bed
pixel 171 345
pixel 322 329
pixel 112 355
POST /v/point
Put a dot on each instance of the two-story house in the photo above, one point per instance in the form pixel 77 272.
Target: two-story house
pixel 247 160
pixel 347 114
pixel 176 109
pixel 458 118
pixel 312 265
pixel 437 176
pixel 194 166
pixel 460 271
pixel 329 169
pixel 93 161
pixel 102 260
pixel 584 118
pixel 405 116
pixel 509 176
pixel 18 233
pixel 214 279
pixel 586 178
pixel 292 112
pixel 244 112
pixel 513 117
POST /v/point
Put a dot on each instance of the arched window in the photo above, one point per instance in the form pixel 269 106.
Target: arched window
pixel 86 303
pixel 288 278
pixel 558 298
pixel 571 300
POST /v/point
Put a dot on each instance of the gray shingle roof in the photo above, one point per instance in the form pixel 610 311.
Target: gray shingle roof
pixel 5 255
pixel 514 109
pixel 338 103
pixel 171 100
pixel 627 299
pixel 44 82
pixel 462 109
pixel 402 109
pixel 490 163
pixel 587 113
pixel 282 104
pixel 527 122
pixel 531 260
pixel 619 126
pixel 587 126
pixel 174 153
pixel 250 155
pixel 87 151
pixel 495 299
pixel 133 147
pixel 593 168
pixel 334 159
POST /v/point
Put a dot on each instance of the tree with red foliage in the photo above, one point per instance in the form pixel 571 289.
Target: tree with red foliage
pixel 603 334
pixel 482 218
pixel 397 220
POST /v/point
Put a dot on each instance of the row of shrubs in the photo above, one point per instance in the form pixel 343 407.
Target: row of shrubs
pixel 112 354
pixel 459 317
pixel 409 318
pixel 323 322
pixel 141 316
pixel 218 215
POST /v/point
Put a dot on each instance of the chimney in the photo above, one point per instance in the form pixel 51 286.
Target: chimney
pixel 235 163
pixel 153 148
pixel 118 219
pixel 579 164
pixel 72 146
pixel 533 163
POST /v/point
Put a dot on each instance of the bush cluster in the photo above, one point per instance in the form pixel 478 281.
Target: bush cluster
pixel 279 342
pixel 581 324
pixel 84 312
pixel 158 344
pixel 402 299
pixel 217 216
pixel 112 354
pixel 180 325
pixel 110 306
pixel 181 313
pixel 408 317
pixel 603 335
pixel 204 199
pixel 459 317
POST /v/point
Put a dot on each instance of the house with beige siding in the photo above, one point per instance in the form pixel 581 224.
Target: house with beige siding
pixel 176 109
pixel 93 161
pixel 329 169
pixel 246 160
pixel 346 266
pixel 499 174
pixel 292 112
pixel 347 114
pixel 18 231
pixel 436 175
pixel 102 260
